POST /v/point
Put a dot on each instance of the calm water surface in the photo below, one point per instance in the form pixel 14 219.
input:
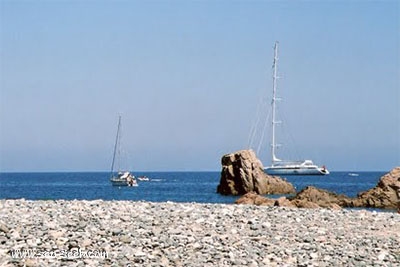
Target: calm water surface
pixel 163 186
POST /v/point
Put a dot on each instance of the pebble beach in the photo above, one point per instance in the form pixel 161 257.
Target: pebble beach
pixel 190 234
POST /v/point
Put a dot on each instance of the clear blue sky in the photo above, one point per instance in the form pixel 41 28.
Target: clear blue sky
pixel 187 77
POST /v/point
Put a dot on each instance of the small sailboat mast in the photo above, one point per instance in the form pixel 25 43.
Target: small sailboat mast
pixel 122 178
pixel 116 145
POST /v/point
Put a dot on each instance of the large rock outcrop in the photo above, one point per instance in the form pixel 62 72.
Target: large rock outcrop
pixel 243 172
pixel 312 197
pixel 386 194
pixel 309 197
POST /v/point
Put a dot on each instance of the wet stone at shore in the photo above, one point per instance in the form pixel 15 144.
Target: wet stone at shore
pixel 189 234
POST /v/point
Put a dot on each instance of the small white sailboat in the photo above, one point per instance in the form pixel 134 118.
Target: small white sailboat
pixel 120 178
pixel 285 167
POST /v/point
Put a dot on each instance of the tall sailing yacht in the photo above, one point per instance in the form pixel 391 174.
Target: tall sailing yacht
pixel 286 167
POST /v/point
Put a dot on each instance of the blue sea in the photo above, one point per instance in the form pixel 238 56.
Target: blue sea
pixel 163 186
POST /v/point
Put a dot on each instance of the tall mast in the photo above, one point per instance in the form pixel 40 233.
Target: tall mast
pixel 274 99
pixel 116 144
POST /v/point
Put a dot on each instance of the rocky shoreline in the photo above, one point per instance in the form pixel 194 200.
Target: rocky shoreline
pixel 385 195
pixel 243 174
pixel 191 234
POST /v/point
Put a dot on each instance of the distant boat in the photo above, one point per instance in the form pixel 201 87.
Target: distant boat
pixel 353 174
pixel 287 167
pixel 143 178
pixel 120 178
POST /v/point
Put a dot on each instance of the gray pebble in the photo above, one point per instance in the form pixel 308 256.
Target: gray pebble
pixel 190 234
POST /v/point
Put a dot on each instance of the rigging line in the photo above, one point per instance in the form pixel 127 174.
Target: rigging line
pixel 116 145
pixel 120 149
pixel 256 122
pixel 262 106
pixel 266 123
pixel 126 157
pixel 255 125
pixel 128 161
pixel 253 129
pixel 292 142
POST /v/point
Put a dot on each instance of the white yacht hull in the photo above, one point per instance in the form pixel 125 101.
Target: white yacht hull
pixel 295 170
pixel 123 179
pixel 119 182
pixel 122 182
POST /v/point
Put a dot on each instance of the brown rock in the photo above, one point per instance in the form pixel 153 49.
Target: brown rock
pixel 386 194
pixel 319 197
pixel 334 206
pixel 310 198
pixel 243 172
pixel 302 203
pixel 253 198
pixel 284 202
pixel 4 228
